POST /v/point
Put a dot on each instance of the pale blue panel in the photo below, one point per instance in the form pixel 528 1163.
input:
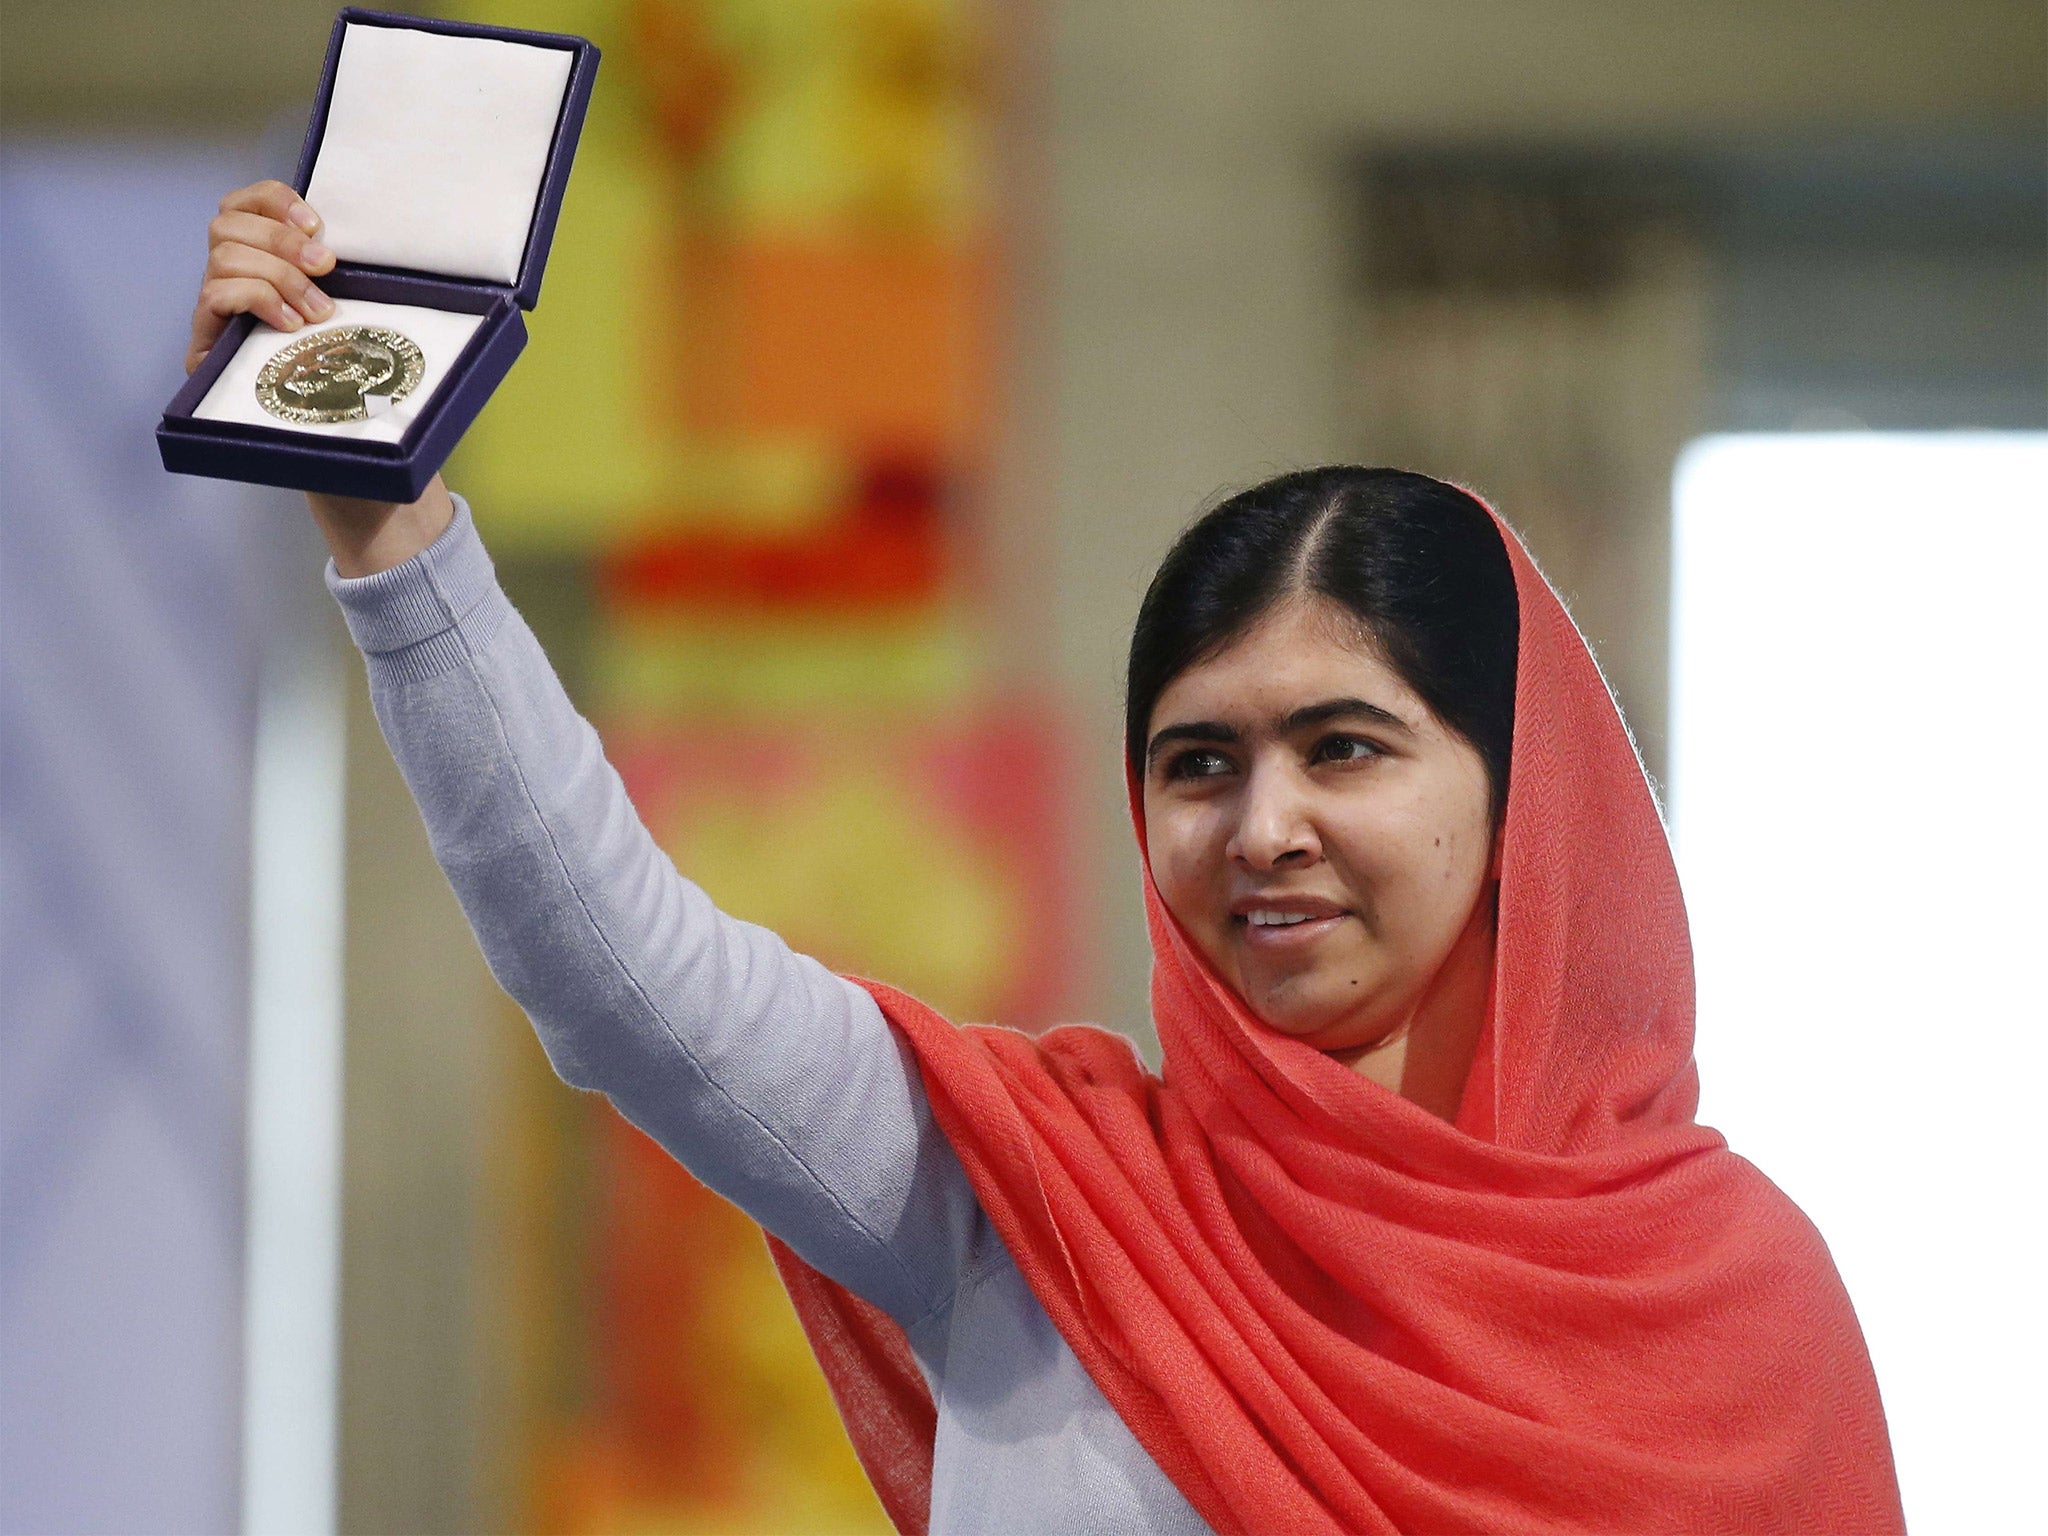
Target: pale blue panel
pixel 131 607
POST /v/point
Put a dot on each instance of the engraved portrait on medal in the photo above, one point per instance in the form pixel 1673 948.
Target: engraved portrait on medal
pixel 333 375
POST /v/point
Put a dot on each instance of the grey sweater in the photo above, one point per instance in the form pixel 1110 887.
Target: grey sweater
pixel 775 1082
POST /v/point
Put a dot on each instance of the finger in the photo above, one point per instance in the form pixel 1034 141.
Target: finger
pixel 237 260
pixel 266 234
pixel 219 304
pixel 221 299
pixel 273 200
pixel 206 328
pixel 195 352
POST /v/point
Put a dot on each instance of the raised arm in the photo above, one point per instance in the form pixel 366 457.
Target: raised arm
pixel 775 1082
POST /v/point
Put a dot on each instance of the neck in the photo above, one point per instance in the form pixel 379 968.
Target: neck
pixel 1429 1055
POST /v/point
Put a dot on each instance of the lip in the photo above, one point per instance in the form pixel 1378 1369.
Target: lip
pixel 1305 905
pixel 1321 916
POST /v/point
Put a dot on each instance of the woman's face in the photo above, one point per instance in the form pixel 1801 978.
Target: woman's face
pixel 1321 836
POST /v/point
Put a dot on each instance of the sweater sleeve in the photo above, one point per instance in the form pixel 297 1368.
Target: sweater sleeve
pixel 775 1082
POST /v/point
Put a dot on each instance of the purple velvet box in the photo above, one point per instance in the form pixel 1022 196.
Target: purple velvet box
pixel 196 439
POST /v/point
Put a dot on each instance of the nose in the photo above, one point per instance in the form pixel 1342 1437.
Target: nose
pixel 1275 828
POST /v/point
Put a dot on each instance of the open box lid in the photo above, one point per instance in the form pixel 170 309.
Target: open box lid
pixel 442 148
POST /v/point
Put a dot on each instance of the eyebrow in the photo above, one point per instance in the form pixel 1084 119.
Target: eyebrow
pixel 1300 719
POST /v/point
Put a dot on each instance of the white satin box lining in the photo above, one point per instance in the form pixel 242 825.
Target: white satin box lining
pixel 435 150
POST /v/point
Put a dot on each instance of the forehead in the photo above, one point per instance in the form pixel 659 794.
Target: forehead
pixel 1304 651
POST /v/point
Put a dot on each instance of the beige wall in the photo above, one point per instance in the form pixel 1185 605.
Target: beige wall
pixel 1427 68
pixel 425 1069
pixel 220 68
pixel 1604 69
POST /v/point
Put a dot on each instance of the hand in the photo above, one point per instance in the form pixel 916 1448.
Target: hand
pixel 261 259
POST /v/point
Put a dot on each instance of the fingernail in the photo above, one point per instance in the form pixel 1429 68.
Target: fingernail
pixel 305 217
pixel 318 305
pixel 291 318
pixel 315 255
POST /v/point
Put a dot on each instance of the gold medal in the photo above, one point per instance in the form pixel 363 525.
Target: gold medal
pixel 331 375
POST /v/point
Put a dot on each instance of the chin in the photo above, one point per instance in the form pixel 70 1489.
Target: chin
pixel 1322 1017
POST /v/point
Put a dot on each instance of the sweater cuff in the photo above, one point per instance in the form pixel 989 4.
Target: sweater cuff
pixel 412 620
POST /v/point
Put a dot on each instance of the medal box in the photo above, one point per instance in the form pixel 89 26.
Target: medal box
pixel 436 156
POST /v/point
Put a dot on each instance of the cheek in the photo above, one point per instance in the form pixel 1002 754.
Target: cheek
pixel 1417 864
pixel 1186 858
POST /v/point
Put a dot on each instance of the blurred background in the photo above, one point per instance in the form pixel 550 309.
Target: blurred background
pixel 884 346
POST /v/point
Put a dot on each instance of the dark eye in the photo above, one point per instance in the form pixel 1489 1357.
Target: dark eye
pixel 1198 763
pixel 1345 749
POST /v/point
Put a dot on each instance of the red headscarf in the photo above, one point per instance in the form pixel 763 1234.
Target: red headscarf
pixel 1321 1308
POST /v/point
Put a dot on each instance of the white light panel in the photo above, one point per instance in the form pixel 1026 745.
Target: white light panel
pixel 1859 802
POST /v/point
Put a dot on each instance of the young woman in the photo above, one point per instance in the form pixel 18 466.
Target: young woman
pixel 1415 1231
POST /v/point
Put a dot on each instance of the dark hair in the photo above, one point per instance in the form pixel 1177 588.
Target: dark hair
pixel 1418 561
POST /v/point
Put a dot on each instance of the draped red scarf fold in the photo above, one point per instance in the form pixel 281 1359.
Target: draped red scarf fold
pixel 1321 1308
